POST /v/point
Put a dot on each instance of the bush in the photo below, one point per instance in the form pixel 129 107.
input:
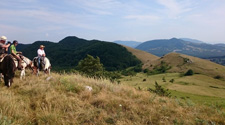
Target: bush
pixel 164 79
pixel 159 90
pixel 132 71
pixel 146 70
pixel 172 80
pixel 218 77
pixel 162 68
pixel 189 73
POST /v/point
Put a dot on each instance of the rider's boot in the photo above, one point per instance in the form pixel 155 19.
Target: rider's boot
pixel 19 65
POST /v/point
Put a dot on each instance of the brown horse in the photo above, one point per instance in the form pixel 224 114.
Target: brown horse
pixel 8 68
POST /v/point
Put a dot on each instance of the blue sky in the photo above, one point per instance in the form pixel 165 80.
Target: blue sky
pixel 109 20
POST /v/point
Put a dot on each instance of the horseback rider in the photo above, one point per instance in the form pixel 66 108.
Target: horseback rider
pixel 3 47
pixel 16 54
pixel 41 55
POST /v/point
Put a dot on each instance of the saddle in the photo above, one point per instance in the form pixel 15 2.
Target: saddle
pixel 35 61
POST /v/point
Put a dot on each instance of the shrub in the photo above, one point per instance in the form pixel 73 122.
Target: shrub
pixel 159 90
pixel 172 80
pixel 190 72
pixel 164 80
pixel 146 70
pixel 162 68
pixel 218 77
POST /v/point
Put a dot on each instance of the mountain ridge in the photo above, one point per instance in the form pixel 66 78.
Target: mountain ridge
pixel 69 51
pixel 164 46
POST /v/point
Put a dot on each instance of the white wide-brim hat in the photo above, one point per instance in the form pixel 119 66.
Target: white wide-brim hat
pixel 3 38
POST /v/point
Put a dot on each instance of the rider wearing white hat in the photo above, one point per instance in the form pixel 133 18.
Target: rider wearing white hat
pixel 3 47
pixel 41 55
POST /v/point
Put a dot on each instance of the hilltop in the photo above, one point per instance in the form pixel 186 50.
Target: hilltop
pixel 63 99
pixel 198 49
pixel 181 63
pixel 69 51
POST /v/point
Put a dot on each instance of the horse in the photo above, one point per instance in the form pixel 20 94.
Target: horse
pixel 45 66
pixel 26 63
pixel 8 68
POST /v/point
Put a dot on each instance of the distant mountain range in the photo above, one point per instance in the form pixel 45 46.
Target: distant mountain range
pixel 69 51
pixel 191 40
pixel 197 49
pixel 132 44
pixel 218 59
pixel 220 44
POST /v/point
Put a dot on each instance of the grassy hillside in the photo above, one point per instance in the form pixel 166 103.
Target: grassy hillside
pixel 143 56
pixel 182 63
pixel 200 89
pixel 63 99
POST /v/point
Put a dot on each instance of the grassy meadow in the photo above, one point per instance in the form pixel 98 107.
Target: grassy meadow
pixel 63 99
pixel 199 89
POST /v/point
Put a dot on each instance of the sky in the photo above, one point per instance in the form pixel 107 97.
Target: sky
pixel 108 20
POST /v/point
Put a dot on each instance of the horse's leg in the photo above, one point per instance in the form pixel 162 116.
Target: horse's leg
pixel 1 77
pixel 49 71
pixel 37 72
pixel 22 74
pixel 6 80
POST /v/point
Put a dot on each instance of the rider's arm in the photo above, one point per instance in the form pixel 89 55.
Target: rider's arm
pixel 43 53
pixel 5 46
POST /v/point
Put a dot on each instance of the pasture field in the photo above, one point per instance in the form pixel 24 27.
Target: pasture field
pixel 64 99
pixel 200 89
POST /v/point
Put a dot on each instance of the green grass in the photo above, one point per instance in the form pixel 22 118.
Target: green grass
pixel 63 99
pixel 199 99
pixel 198 88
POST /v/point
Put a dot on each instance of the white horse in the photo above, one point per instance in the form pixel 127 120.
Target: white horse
pixel 46 66
pixel 25 64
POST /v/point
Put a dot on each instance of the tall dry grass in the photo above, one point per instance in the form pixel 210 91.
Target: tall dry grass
pixel 63 99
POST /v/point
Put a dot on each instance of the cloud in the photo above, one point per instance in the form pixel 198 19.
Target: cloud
pixel 44 17
pixel 174 8
pixel 99 7
pixel 142 17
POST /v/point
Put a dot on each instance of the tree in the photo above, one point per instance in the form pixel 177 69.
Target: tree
pixel 91 66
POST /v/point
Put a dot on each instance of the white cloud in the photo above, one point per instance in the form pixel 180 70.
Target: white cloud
pixel 40 17
pixel 143 17
pixel 174 8
pixel 99 7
